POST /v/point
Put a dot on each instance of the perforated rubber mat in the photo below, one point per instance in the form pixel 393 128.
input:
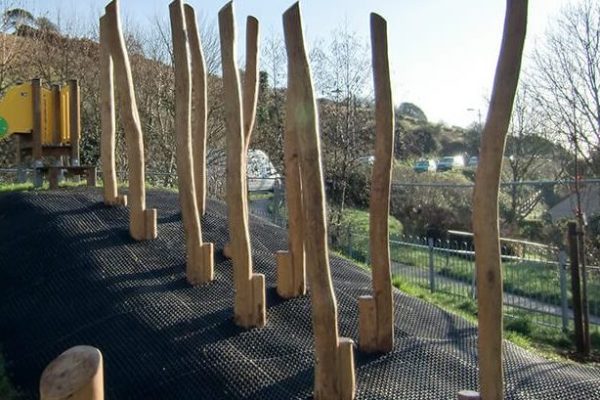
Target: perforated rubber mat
pixel 70 274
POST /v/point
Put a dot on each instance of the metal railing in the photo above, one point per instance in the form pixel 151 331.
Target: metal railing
pixel 536 277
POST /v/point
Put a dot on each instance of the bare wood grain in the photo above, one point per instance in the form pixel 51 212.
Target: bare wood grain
pixel 485 201
pixel 329 380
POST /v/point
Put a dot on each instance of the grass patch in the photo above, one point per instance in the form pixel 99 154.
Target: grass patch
pixel 15 187
pixel 548 342
pixel 252 196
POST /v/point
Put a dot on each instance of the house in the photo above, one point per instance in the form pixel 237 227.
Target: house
pixel 590 204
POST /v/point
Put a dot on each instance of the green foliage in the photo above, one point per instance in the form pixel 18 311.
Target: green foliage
pixel 520 325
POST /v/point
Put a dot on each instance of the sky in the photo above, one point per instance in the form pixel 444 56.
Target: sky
pixel 443 53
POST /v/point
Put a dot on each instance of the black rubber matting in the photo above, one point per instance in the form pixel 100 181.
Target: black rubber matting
pixel 70 274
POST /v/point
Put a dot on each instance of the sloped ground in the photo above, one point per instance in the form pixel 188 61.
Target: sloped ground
pixel 70 274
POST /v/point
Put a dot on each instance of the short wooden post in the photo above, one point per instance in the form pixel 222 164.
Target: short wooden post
pixel 197 271
pixel 199 110
pixel 334 371
pixel 141 223
pixel 77 374
pixel 53 174
pixel 107 117
pixel 485 201
pixel 249 306
pixel 74 120
pixel 379 336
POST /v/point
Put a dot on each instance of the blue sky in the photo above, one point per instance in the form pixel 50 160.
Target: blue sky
pixel 442 52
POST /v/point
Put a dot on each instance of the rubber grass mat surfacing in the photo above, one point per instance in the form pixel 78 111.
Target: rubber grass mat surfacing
pixel 70 275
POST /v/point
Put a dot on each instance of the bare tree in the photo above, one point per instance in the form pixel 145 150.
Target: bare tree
pixel 342 76
pixel 566 79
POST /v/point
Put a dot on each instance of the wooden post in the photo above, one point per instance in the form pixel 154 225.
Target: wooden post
pixel 249 306
pixel 291 270
pixel 107 117
pixel 379 337
pixel 250 92
pixel 57 114
pixel 199 109
pixel 485 201
pixel 77 374
pixel 580 344
pixel 334 369
pixel 142 223
pixel 36 95
pixel 197 271
pixel 74 120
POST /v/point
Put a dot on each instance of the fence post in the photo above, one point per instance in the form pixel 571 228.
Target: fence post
pixel 349 244
pixel 576 287
pixel 431 266
pixel 562 268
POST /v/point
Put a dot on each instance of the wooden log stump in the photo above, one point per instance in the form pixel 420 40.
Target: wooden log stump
pixel 378 335
pixel 141 225
pixel 485 201
pixel 249 306
pixel 199 110
pixel 197 271
pixel 334 369
pixel 107 117
pixel 77 374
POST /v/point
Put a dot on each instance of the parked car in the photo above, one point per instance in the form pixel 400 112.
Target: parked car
pixel 448 163
pixel 425 165
pixel 472 163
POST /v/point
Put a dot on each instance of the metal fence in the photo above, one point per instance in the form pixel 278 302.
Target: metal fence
pixel 537 279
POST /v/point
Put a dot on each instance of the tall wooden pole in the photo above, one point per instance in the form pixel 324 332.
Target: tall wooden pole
pixel 199 107
pixel 250 93
pixel 485 201
pixel 334 368
pixel 249 303
pixel 199 258
pixel 107 119
pixel 377 330
pixel 142 222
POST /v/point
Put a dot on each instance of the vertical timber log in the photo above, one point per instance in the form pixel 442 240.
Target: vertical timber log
pixel 485 201
pixel 142 222
pixel 199 108
pixel 74 120
pixel 334 367
pixel 77 374
pixel 291 271
pixel 383 329
pixel 197 271
pixel 250 93
pixel 107 118
pixel 249 305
